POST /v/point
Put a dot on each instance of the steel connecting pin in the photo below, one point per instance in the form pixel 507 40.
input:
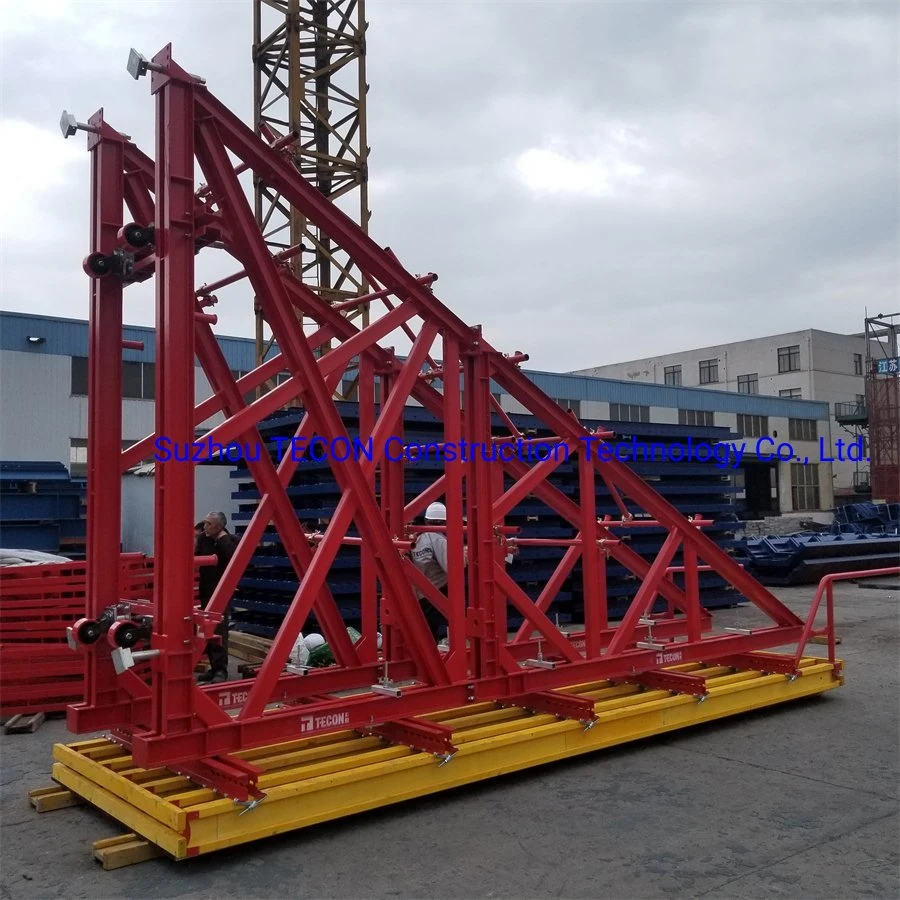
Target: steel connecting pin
pixel 138 65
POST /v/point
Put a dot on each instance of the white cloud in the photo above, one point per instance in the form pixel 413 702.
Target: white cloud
pixel 616 162
pixel 37 163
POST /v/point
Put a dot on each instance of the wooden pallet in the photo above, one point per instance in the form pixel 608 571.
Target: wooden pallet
pixel 248 648
pixel 24 723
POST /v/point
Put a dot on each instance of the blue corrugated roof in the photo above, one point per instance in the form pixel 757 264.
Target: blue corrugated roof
pixel 69 337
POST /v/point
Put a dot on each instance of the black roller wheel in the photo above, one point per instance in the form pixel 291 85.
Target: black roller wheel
pixel 97 265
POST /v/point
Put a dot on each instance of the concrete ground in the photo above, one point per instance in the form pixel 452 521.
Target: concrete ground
pixel 798 802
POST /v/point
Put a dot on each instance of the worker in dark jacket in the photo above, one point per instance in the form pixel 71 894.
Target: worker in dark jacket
pixel 217 541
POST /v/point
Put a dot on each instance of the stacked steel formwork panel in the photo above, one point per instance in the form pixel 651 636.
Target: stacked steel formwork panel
pixel 883 404
pixel 166 719
pixel 38 670
pixel 265 591
pixel 41 508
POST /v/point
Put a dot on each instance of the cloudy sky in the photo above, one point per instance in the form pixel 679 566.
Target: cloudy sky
pixel 592 181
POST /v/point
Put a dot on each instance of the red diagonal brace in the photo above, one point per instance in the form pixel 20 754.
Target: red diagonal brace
pixel 767 663
pixel 226 775
pixel 676 682
pixel 418 734
pixel 565 706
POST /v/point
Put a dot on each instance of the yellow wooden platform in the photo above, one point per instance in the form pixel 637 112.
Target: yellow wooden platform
pixel 326 777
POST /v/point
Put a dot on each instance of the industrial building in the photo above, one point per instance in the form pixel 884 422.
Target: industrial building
pixel 43 362
pixel 814 365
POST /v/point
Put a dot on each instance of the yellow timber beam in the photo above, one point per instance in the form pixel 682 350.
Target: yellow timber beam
pixel 313 780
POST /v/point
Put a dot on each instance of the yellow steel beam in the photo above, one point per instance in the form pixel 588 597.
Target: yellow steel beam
pixel 313 780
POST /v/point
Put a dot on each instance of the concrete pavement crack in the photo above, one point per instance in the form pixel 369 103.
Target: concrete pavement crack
pixel 775 862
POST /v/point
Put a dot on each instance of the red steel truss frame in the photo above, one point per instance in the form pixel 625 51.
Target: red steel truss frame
pixel 165 718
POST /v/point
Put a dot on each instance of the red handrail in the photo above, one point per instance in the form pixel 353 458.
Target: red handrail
pixel 826 588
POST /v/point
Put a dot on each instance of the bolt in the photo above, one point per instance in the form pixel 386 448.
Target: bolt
pixel 68 125
pixel 138 65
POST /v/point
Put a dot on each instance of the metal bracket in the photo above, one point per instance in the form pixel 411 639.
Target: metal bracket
pixel 387 689
pixel 563 706
pixel 419 735
pixel 651 645
pixel 227 775
pixel 767 663
pixel 676 682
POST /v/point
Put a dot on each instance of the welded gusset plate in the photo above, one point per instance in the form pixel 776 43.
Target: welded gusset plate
pixel 419 734
pixel 767 663
pixel 227 775
pixel 676 682
pixel 566 706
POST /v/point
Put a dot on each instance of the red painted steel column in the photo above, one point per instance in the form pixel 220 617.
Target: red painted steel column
pixel 367 649
pixel 104 450
pixel 594 617
pixel 692 591
pixel 173 681
pixel 453 480
pixel 483 603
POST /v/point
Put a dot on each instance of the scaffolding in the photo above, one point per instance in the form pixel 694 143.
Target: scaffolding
pixel 309 98
pixel 883 405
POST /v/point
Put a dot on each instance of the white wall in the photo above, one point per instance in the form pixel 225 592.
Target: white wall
pixel 759 356
pixel 826 374
pixel 212 493
pixel 835 381
pixel 35 409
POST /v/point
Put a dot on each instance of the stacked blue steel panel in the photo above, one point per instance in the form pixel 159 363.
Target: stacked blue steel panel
pixel 266 590
pixel 863 536
pixel 41 508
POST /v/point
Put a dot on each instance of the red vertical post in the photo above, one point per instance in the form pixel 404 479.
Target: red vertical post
pixel 829 621
pixel 602 599
pixel 482 594
pixel 691 591
pixel 104 450
pixel 368 650
pixel 173 682
pixel 391 473
pixel 453 477
pixel 590 570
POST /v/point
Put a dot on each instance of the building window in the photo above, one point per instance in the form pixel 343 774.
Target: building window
pixel 802 430
pixel 672 375
pixel 753 426
pixel 696 417
pixel 857 364
pixel 791 394
pixel 138 379
pixel 709 371
pixel 804 486
pixel 78 456
pixel 133 380
pixel 748 384
pixel 789 359
pixel 628 412
pixel 574 405
pixel 79 376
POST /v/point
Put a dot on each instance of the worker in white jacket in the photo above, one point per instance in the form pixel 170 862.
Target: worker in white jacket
pixel 429 555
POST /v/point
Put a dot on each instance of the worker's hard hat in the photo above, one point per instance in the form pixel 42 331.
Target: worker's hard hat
pixel 436 512
pixel 313 640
